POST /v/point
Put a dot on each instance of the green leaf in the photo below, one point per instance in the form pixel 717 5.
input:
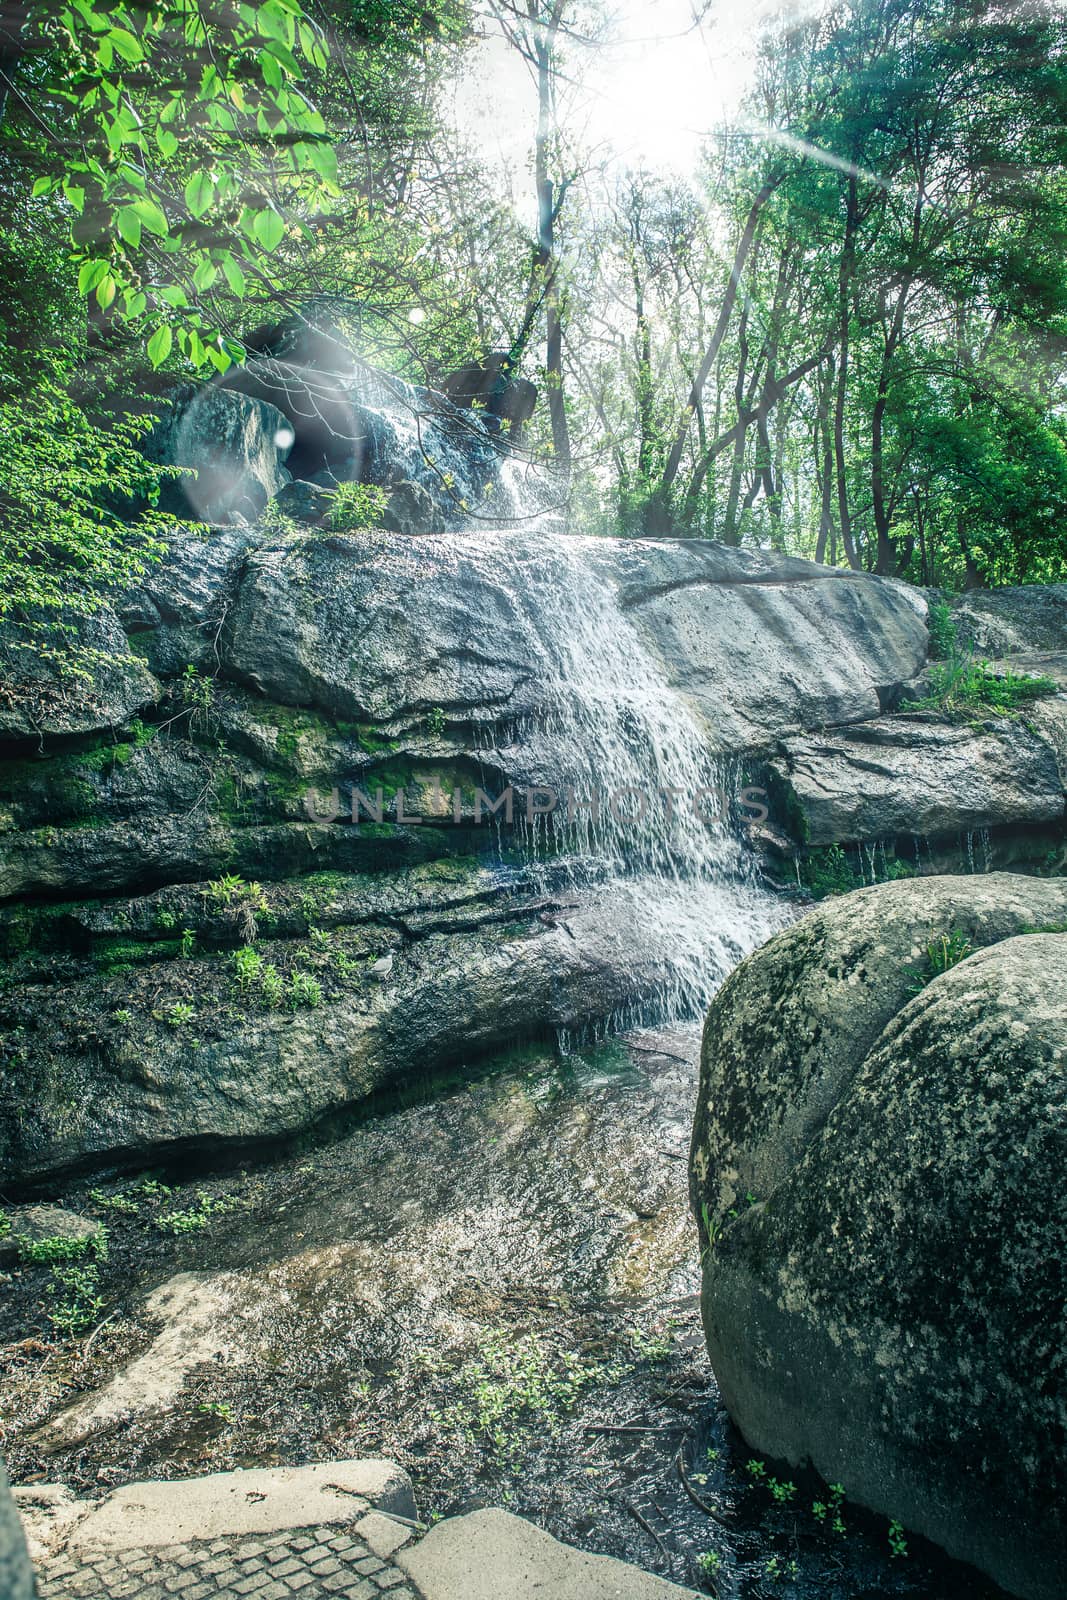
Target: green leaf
pixel 90 275
pixel 234 276
pixel 127 45
pixel 167 142
pixel 129 226
pixel 281 52
pixel 205 275
pixel 272 72
pixel 273 23
pixel 269 230
pixel 160 345
pixel 174 296
pixel 106 290
pixel 43 186
pixel 75 197
pixel 199 193
pixel 152 216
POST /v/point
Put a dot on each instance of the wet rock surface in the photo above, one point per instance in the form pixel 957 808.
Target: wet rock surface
pixel 920 777
pixel 401 666
pixel 876 1169
pixel 495 1285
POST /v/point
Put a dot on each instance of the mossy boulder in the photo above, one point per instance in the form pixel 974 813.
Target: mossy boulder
pixel 16 1573
pixel 877 1174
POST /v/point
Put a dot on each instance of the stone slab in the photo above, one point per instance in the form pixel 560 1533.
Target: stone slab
pixel 142 1515
pixel 490 1555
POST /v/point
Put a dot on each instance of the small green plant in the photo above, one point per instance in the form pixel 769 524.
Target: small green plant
pixel 709 1563
pixel 197 693
pixel 180 1014
pixel 49 1252
pixel 435 721
pixel 165 918
pixel 121 1204
pixel 195 1218
pixel 942 628
pixel 248 964
pixel 241 900
pixel 898 1544
pixel 944 952
pixel 122 1017
pixel 188 944
pixel 76 1299
pixel 258 979
pixel 961 686
pixel 828 872
pixel 356 505
pixel 305 992
pixel 217 1408
pixel 320 938
pixel 271 986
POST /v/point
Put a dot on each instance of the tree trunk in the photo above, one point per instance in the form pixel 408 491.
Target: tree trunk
pixel 546 257
pixel 845 276
pixel 741 254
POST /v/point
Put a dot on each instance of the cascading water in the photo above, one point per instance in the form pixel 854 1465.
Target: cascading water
pixel 632 797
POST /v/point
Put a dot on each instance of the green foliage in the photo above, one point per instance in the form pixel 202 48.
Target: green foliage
pixel 261 981
pixel 898 1544
pixel 191 151
pixel 305 992
pixel 243 902
pixel 962 685
pixel 48 1252
pixel 180 1014
pixel 66 541
pixel 356 505
pixel 513 1381
pixel 827 872
pixel 942 627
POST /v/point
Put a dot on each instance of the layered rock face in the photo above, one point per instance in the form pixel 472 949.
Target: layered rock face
pixel 192 922
pixel 143 861
pixel 877 1177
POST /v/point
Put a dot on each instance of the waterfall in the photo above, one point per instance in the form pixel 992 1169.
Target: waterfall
pixel 642 808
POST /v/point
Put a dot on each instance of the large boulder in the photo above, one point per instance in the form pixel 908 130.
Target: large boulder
pixel 16 1574
pixel 177 609
pixel 93 684
pixel 150 1057
pixel 877 1176
pixel 1007 622
pixel 382 627
pixel 919 776
pixel 232 446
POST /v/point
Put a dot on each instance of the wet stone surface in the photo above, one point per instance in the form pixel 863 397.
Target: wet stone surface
pixel 494 1285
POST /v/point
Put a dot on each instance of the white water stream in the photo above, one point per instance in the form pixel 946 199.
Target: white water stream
pixel 638 802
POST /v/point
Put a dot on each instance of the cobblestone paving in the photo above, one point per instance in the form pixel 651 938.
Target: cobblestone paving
pixel 308 1563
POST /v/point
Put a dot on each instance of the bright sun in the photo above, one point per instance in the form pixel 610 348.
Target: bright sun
pixel 645 99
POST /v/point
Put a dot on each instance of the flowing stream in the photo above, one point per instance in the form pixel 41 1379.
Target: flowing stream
pixel 630 797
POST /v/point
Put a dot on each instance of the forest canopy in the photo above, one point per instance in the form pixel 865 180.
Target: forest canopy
pixel 842 333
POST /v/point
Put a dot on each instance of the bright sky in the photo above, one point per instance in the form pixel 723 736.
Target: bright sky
pixel 650 95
